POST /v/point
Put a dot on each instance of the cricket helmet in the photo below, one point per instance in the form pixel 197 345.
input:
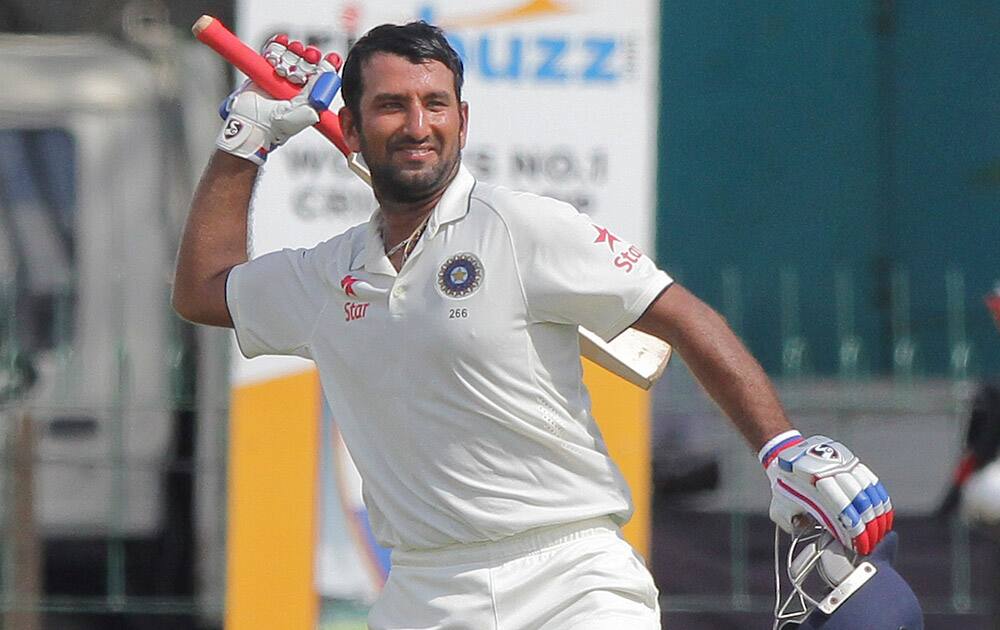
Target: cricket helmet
pixel 835 589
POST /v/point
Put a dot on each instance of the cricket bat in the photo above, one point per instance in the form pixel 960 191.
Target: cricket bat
pixel 633 355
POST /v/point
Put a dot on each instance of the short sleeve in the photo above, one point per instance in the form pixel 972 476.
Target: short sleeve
pixel 275 301
pixel 576 271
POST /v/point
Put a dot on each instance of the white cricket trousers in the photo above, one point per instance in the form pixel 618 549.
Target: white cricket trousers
pixel 581 576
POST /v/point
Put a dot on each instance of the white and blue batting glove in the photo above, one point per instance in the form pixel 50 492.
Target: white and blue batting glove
pixel 256 124
pixel 823 478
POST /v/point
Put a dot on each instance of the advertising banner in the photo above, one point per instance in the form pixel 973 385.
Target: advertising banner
pixel 562 100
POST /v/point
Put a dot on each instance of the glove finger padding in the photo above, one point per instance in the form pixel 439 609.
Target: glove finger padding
pixel 256 124
pixel 881 503
pixel 823 478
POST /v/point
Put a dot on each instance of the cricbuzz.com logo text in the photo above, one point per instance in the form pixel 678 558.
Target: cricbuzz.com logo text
pixel 506 53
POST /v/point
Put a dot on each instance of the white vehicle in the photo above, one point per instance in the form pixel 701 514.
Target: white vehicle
pixel 128 421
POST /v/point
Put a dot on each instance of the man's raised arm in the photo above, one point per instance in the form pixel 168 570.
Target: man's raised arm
pixel 215 237
pixel 214 240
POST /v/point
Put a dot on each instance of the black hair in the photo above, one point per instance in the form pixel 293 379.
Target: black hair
pixel 418 42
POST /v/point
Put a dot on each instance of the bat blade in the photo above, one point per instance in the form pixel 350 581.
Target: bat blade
pixel 633 355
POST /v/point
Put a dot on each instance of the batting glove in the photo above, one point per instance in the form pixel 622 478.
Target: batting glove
pixel 256 124
pixel 823 478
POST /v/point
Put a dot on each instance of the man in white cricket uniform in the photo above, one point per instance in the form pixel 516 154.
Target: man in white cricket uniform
pixel 487 432
pixel 475 338
pixel 445 334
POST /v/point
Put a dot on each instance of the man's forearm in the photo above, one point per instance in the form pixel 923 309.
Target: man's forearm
pixel 214 240
pixel 734 380
pixel 720 362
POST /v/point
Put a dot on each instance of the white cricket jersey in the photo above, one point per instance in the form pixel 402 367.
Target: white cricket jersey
pixel 456 382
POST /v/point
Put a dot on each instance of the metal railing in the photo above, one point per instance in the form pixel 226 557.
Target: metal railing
pixel 910 429
pixel 121 562
pixel 851 323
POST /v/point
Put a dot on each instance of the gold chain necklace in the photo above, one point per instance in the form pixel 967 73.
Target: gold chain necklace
pixel 410 240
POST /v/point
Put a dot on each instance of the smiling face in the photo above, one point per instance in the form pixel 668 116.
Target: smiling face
pixel 410 127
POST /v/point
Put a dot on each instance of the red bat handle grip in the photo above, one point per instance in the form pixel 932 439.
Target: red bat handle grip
pixel 212 33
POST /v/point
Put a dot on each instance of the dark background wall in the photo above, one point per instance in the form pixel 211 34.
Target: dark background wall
pixel 860 137
pixel 102 16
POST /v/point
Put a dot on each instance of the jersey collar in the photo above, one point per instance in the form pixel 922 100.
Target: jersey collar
pixel 454 205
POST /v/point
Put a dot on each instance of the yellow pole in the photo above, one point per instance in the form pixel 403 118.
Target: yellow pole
pixel 622 411
pixel 273 453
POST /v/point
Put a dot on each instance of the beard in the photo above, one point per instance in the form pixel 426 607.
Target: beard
pixel 405 186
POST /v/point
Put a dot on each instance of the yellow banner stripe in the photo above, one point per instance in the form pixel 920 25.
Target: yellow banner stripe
pixel 273 458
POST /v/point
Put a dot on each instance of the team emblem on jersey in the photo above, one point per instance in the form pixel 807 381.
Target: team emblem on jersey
pixel 460 276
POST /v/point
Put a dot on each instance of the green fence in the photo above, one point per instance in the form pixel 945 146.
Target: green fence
pixel 139 536
pixel 713 547
pixel 841 158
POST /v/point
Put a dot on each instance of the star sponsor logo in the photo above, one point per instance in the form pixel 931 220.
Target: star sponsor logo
pixel 460 275
pixel 355 310
pixel 347 284
pixel 628 258
pixel 604 236
pixel 625 258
